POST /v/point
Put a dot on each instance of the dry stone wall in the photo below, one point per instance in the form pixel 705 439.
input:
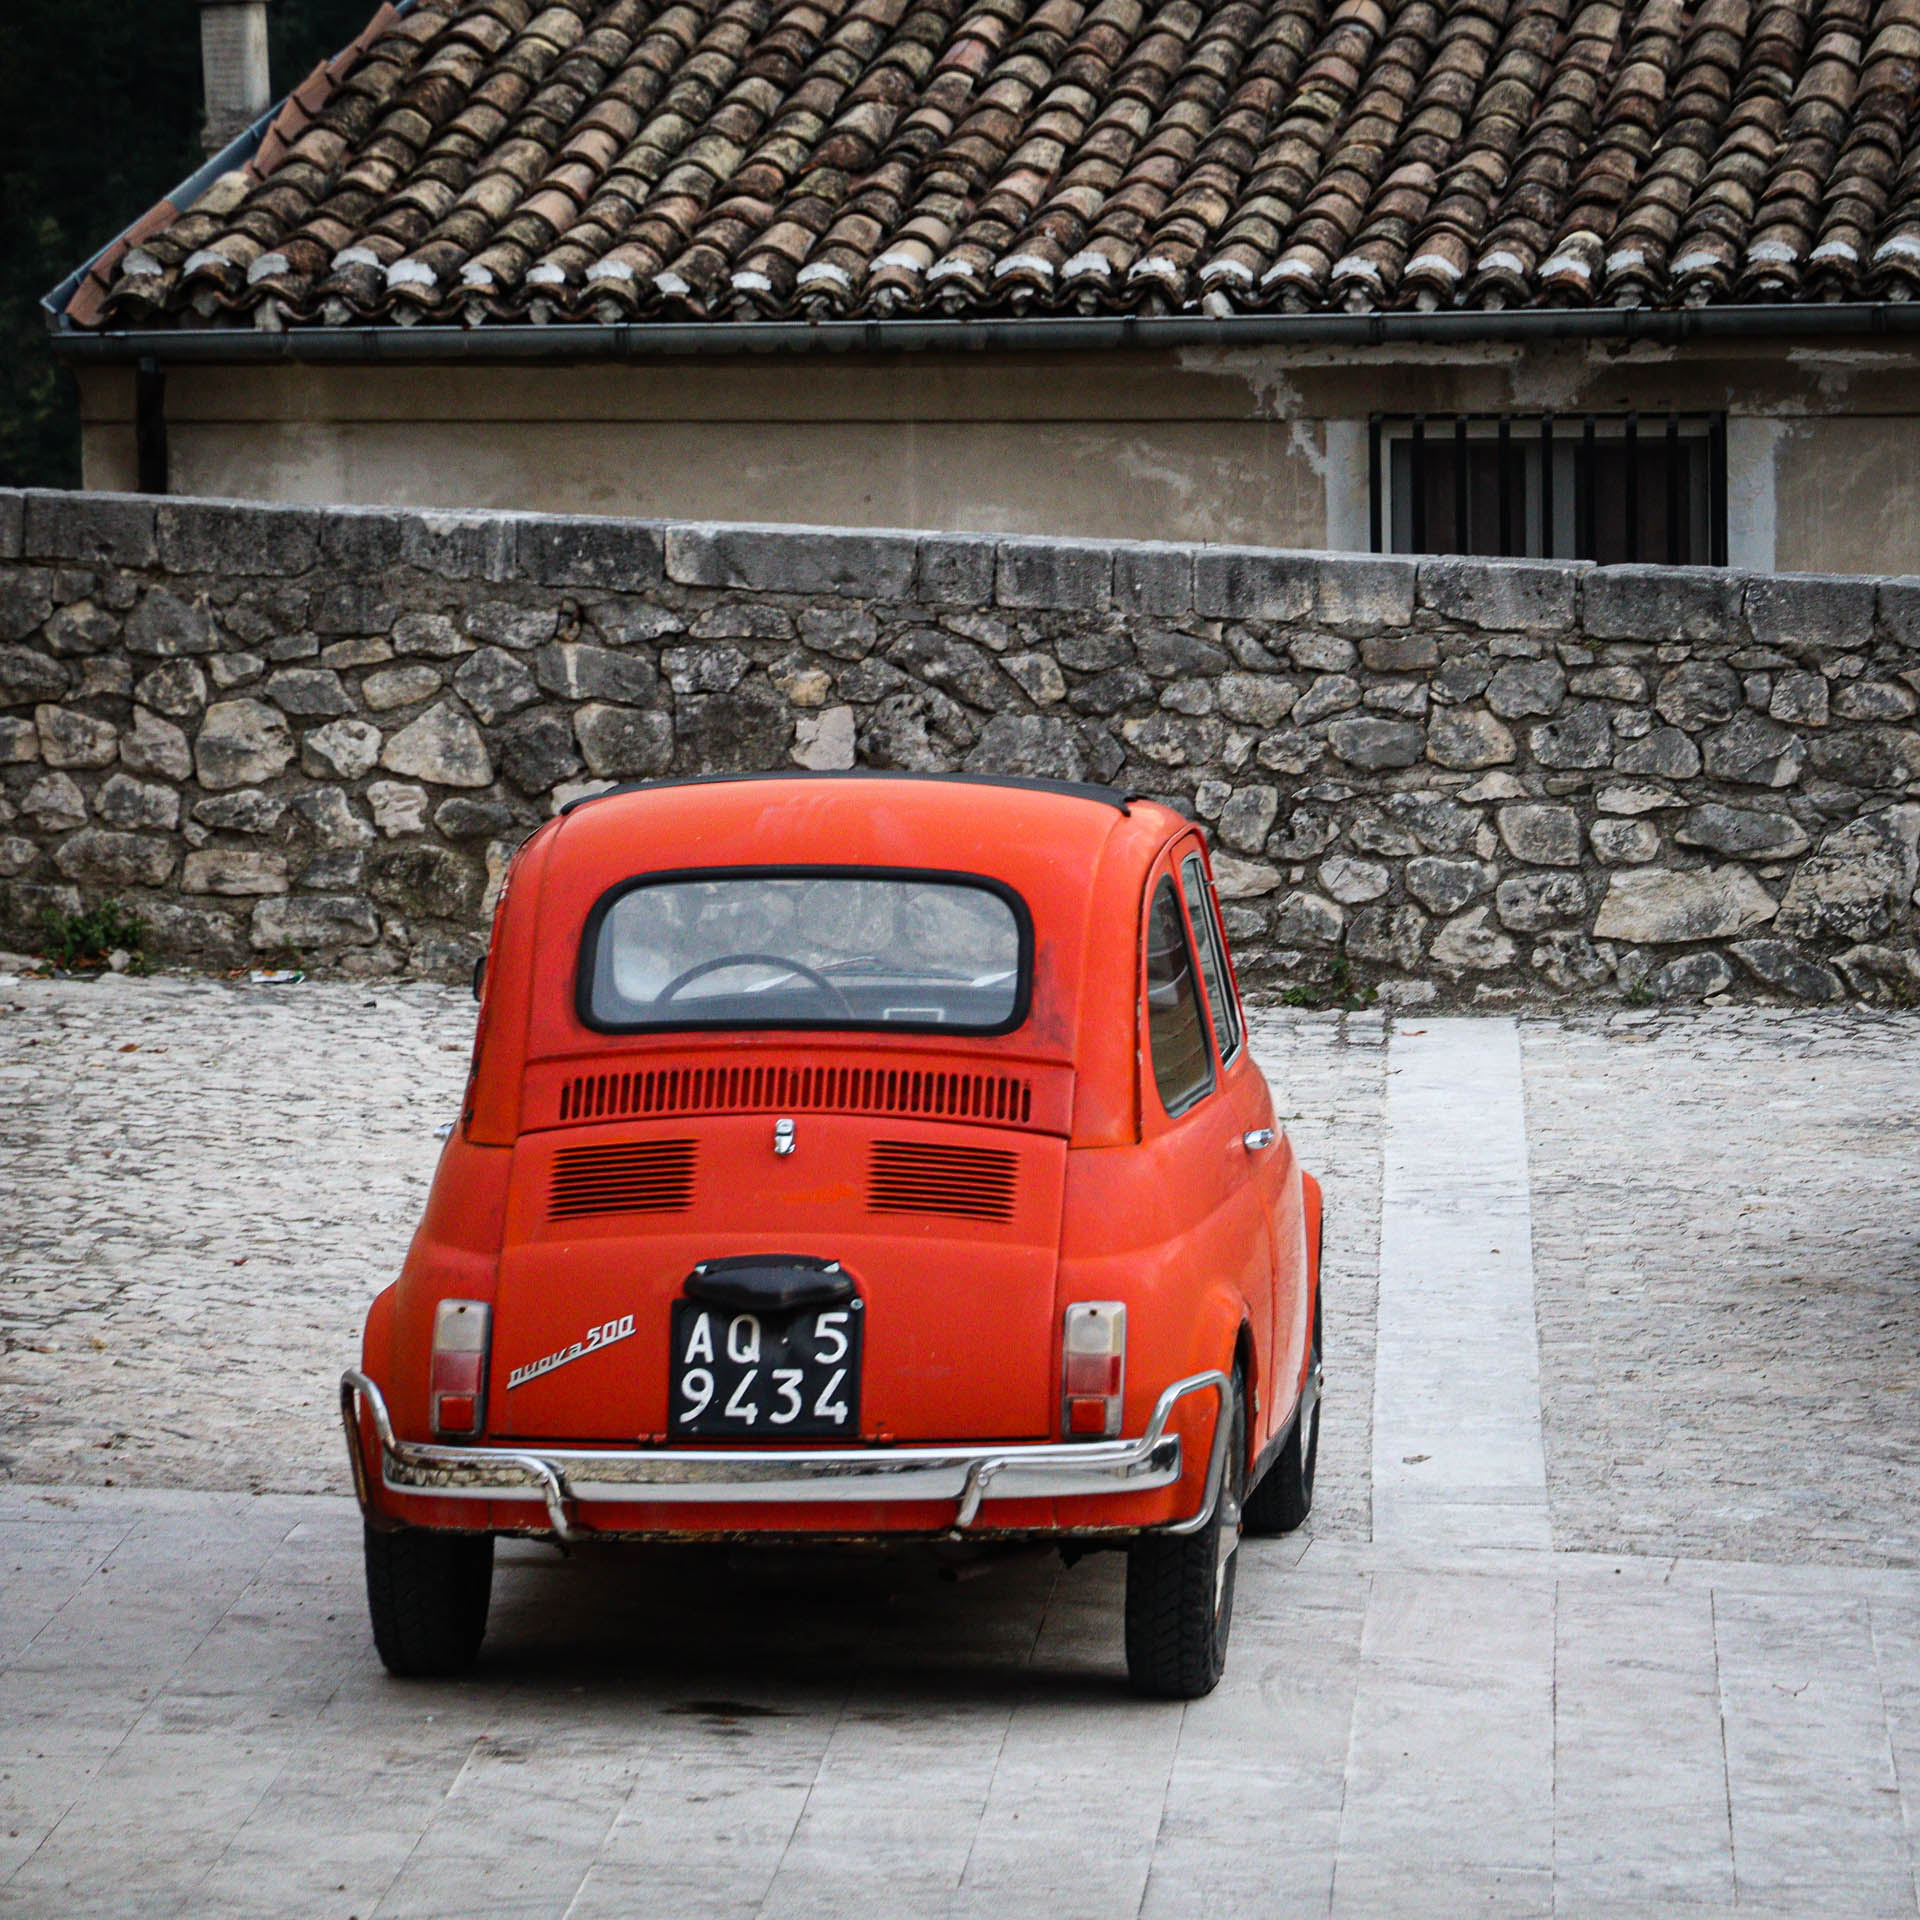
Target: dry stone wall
pixel 286 733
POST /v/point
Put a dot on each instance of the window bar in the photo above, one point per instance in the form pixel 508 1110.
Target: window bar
pixel 1586 546
pixel 1546 486
pixel 1717 488
pixel 1373 483
pixel 1633 486
pixel 1676 494
pixel 1504 457
pixel 1419 467
pixel 150 427
pixel 1460 484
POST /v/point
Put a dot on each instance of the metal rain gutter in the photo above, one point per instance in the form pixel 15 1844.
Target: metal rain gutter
pixel 571 342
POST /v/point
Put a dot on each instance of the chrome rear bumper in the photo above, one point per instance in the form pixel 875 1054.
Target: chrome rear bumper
pixel 968 1476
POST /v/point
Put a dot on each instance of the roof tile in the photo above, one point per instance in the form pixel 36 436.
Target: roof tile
pixel 489 160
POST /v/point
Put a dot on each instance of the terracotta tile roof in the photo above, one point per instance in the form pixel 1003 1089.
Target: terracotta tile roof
pixel 483 160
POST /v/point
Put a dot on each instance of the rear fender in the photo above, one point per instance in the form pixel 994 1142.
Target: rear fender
pixel 1312 1204
pixel 1171 1334
pixel 1216 1335
pixel 376 1348
pixel 455 1255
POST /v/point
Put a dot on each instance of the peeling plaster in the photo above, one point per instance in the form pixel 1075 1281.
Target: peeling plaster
pixel 1302 440
pixel 1833 368
pixel 1275 397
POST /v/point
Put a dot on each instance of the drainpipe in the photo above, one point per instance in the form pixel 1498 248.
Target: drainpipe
pixel 233 62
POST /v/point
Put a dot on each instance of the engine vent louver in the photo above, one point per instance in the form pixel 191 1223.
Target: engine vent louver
pixel 640 1176
pixel 1004 1099
pixel 975 1183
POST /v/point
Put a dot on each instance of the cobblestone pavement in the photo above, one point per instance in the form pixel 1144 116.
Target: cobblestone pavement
pixel 1329 1077
pixel 204 1186
pixel 1726 1210
pixel 1727 1286
pixel 201 1168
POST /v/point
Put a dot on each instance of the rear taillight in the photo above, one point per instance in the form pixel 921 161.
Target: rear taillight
pixel 1094 1369
pixel 458 1382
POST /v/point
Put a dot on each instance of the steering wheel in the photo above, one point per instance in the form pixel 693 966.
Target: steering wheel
pixel 721 960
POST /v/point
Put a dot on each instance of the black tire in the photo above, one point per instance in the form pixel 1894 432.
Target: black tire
pixel 428 1595
pixel 1283 1496
pixel 1180 1587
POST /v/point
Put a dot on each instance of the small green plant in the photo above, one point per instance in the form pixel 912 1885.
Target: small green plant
pixel 1341 991
pixel 1638 995
pixel 85 939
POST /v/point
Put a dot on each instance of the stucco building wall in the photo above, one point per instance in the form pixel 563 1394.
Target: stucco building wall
pixel 1257 445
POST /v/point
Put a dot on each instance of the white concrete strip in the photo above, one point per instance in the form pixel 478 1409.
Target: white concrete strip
pixel 1457 1453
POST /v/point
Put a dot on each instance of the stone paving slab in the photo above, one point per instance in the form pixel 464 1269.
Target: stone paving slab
pixel 198 1726
pixel 1457 1452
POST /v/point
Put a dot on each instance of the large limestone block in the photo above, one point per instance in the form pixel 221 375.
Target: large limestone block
pixel 1852 887
pixel 313 920
pixel 241 743
pixel 442 747
pixel 1658 906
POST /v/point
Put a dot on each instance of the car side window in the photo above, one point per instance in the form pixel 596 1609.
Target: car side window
pixel 1177 1039
pixel 1213 956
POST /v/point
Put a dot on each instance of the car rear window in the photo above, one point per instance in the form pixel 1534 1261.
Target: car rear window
pixel 806 948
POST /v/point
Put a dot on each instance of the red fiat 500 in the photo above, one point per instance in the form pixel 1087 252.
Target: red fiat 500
pixel 851 1157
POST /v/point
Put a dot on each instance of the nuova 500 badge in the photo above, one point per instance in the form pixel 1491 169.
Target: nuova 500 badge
pixel 604 1335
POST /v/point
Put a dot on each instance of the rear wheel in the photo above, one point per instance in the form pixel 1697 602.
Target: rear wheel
pixel 1180 1586
pixel 428 1595
pixel 1284 1496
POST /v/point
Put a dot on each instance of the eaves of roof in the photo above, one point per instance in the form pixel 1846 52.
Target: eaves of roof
pixel 585 341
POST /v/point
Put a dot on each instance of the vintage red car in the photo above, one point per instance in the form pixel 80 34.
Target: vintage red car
pixel 852 1157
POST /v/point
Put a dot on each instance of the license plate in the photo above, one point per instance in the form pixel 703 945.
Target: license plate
pixel 766 1376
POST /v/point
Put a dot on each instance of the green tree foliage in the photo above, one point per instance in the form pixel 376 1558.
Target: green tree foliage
pixel 100 113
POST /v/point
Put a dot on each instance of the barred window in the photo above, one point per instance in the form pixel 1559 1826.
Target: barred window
pixel 1594 486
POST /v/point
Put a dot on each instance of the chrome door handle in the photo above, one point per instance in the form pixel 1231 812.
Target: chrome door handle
pixel 1259 1139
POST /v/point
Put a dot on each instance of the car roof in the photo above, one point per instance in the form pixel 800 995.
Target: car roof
pixel 1044 838
pixel 1118 797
